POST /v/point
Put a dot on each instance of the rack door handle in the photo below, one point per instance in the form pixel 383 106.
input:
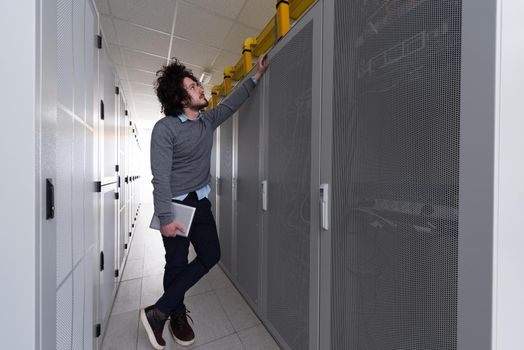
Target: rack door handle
pixel 50 199
pixel 218 184
pixel 264 195
pixel 324 206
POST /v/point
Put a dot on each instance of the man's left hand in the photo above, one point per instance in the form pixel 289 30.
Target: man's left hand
pixel 262 64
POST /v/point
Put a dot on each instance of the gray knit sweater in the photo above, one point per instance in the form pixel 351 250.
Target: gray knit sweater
pixel 181 152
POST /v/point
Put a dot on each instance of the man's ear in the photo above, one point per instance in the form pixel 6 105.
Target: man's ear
pixel 183 102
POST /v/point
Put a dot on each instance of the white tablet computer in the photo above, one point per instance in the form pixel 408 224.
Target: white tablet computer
pixel 183 214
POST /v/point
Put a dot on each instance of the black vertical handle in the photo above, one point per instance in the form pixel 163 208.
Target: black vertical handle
pixel 102 261
pixel 50 199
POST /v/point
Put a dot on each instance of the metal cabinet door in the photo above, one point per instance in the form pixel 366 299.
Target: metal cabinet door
pixel 394 139
pixel 292 147
pixel 225 197
pixel 247 215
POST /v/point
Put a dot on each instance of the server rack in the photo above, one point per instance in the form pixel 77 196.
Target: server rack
pixel 383 227
pixel 225 193
pixel 395 174
pixel 272 256
pixel 248 192
pixel 411 257
pixel 87 134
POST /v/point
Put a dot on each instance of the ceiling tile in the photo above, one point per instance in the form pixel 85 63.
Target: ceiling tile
pixel 197 71
pixel 207 90
pixel 134 59
pixel 114 53
pixel 149 112
pixel 227 8
pixel 108 29
pixel 257 13
pixel 147 117
pixel 102 7
pixel 193 53
pixel 139 76
pixel 216 78
pixel 158 15
pixel 189 25
pixel 225 59
pixel 142 39
pixel 143 89
pixel 236 37
pixel 120 71
pixel 126 88
pixel 144 101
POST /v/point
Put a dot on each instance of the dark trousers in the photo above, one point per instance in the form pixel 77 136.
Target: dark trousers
pixel 179 275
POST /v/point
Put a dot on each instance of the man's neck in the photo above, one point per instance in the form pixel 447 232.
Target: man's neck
pixel 191 113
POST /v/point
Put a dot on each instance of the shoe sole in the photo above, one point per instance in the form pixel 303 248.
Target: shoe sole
pixel 149 331
pixel 180 341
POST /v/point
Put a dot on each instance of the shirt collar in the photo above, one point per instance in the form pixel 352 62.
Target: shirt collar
pixel 184 118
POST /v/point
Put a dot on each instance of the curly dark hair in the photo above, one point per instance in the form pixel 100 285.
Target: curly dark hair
pixel 169 87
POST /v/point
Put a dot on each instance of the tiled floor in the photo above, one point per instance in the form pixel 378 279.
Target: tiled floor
pixel 223 320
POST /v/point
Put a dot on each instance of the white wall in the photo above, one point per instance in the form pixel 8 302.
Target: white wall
pixel 509 179
pixel 17 178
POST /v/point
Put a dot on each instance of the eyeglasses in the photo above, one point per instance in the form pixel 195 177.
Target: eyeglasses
pixel 193 86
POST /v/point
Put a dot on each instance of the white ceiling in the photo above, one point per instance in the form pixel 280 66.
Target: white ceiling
pixel 206 35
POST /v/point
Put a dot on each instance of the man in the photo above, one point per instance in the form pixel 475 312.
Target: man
pixel 181 145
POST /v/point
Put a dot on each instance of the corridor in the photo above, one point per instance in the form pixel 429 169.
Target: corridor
pixel 362 158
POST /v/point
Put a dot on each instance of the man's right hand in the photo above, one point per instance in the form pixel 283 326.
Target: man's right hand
pixel 169 230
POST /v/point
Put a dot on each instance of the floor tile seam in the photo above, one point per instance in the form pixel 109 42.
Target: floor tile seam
pixel 217 339
pixel 139 308
pixel 117 295
pixel 221 287
pixel 153 260
pixel 239 337
pixel 127 262
pixel 140 245
pixel 224 310
pixel 241 341
pixel 154 255
pixel 255 325
pixel 159 275
pixel 150 250
pixel 259 321
pixel 126 311
pixel 123 272
pixel 231 284
pixel 110 319
pixel 210 280
pixel 134 258
pixel 131 246
pixel 130 279
pixel 144 274
pixel 198 293
pixel 267 331
pixel 212 292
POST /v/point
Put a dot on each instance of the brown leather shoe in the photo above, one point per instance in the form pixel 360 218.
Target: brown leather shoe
pixel 154 321
pixel 181 330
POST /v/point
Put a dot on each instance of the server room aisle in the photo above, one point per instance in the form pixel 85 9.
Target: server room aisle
pixel 222 318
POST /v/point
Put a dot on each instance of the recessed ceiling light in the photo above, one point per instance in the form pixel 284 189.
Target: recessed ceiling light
pixel 205 78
